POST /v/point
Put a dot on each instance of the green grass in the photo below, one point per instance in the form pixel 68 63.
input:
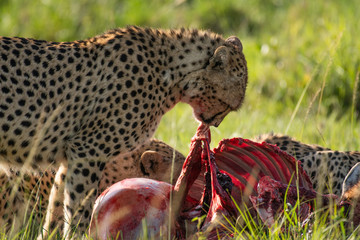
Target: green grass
pixel 303 59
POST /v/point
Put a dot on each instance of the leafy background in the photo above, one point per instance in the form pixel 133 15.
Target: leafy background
pixel 303 60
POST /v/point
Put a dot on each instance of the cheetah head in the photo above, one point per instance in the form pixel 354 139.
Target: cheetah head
pixel 157 165
pixel 220 86
pixel 351 184
pixel 351 193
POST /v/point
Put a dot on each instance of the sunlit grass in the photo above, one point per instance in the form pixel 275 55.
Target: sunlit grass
pixel 303 59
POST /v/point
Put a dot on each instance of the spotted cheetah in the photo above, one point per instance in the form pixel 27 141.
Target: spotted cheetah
pixel 154 159
pixel 326 168
pixel 77 104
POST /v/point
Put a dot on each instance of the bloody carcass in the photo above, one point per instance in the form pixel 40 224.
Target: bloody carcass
pixel 255 175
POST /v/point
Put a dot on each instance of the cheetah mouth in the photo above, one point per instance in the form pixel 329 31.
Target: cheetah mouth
pixel 216 119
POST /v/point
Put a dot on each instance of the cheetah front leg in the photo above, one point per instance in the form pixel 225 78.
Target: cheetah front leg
pixel 81 185
pixel 12 204
pixel 54 220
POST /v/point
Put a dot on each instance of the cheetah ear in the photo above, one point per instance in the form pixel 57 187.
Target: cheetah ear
pixel 220 59
pixel 150 161
pixel 235 42
pixel 351 184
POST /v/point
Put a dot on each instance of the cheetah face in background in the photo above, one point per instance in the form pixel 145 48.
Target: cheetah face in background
pixel 351 184
pixel 220 87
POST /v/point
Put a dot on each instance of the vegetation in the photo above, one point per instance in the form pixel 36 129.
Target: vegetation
pixel 303 59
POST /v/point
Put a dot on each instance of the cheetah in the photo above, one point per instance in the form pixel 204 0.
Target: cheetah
pixel 326 168
pixel 74 105
pixel 154 159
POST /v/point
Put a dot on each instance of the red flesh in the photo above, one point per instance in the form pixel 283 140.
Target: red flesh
pixel 241 157
pixel 271 194
pixel 120 210
pixel 258 169
pixel 220 203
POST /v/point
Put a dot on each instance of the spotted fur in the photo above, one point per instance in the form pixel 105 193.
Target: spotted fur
pixel 326 168
pixel 78 104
